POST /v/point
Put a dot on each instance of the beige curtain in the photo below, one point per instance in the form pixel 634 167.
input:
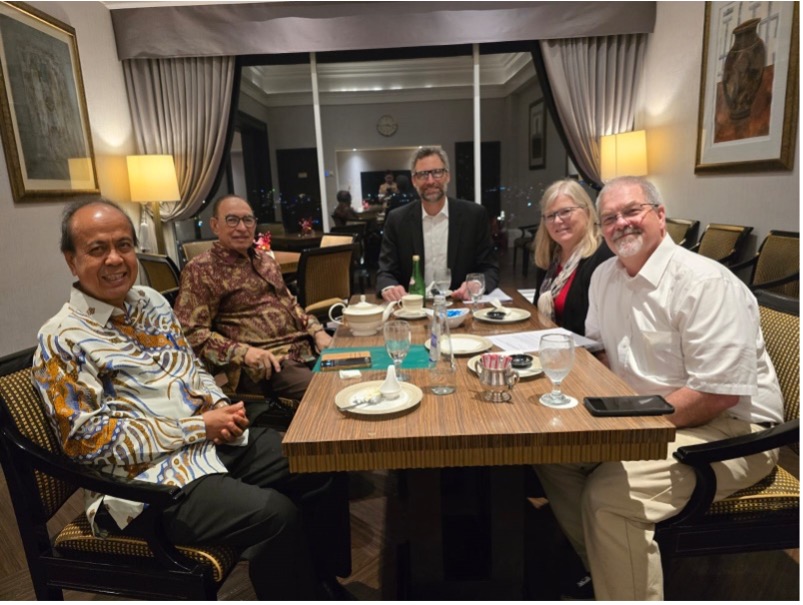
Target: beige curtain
pixel 594 83
pixel 181 107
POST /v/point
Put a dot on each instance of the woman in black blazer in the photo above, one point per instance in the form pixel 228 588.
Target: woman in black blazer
pixel 568 247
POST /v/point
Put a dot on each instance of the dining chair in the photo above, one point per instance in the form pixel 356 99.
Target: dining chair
pixel 765 516
pixel 161 274
pixel 524 243
pixel 682 231
pixel 324 278
pixel 723 243
pixel 776 265
pixel 190 250
pixel 62 553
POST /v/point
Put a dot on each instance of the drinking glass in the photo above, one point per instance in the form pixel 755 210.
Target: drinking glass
pixel 397 342
pixel 557 357
pixel 475 282
pixel 443 280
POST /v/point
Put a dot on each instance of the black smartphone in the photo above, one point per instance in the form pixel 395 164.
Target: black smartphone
pixel 634 405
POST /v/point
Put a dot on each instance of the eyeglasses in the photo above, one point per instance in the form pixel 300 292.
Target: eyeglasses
pixel 563 214
pixel 629 214
pixel 249 220
pixel 437 174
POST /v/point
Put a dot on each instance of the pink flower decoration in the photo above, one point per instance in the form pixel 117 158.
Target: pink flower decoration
pixel 263 242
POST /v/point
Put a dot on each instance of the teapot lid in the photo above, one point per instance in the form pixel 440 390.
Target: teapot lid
pixel 362 308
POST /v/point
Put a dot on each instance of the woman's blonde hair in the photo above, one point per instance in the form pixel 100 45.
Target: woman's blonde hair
pixel 545 246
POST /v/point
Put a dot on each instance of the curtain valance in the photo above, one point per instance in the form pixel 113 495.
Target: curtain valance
pixel 288 27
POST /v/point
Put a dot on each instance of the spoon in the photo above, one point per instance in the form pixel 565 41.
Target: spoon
pixel 373 399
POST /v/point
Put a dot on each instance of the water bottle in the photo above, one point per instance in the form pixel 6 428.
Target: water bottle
pixel 442 368
pixel 417 285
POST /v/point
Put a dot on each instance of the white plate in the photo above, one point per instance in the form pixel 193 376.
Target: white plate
pixel 467 344
pixel 533 370
pixel 406 314
pixel 410 397
pixel 513 315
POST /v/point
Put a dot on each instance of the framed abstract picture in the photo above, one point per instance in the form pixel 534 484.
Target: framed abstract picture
pixel 43 117
pixel 749 86
pixel 537 134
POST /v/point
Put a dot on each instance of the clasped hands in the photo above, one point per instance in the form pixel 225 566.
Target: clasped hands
pixel 394 293
pixel 225 424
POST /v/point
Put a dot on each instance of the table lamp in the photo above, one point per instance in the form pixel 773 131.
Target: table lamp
pixel 152 179
pixel 623 154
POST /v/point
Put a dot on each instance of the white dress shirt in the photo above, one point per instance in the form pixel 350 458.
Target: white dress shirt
pixel 436 242
pixel 684 321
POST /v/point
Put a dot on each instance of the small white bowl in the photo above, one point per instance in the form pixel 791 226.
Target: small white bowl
pixel 455 317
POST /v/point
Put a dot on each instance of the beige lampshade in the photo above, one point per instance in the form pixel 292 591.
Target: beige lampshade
pixel 623 154
pixel 152 178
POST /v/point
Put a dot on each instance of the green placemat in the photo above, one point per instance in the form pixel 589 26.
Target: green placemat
pixel 417 358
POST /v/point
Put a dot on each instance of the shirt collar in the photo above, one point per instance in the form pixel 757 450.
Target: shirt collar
pixel 98 310
pixel 656 264
pixel 443 212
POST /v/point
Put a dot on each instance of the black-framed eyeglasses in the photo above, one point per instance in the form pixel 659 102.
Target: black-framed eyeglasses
pixel 232 220
pixel 563 214
pixel 437 174
pixel 630 213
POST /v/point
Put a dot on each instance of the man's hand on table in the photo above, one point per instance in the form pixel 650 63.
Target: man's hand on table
pixel 393 293
pixel 225 424
pixel 461 293
pixel 264 360
pixel 322 340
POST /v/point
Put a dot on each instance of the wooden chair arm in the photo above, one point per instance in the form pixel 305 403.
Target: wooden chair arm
pixel 701 456
pixel 774 283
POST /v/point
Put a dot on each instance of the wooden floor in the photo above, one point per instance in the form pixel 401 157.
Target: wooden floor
pixel 754 576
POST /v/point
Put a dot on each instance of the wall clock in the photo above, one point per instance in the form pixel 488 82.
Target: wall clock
pixel 387 126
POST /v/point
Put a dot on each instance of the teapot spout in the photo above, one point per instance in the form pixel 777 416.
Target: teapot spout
pixel 388 310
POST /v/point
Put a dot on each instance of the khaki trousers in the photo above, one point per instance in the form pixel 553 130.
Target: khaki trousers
pixel 609 510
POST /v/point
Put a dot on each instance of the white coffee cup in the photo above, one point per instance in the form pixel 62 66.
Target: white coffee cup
pixel 412 302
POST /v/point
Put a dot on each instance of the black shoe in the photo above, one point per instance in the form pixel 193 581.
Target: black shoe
pixel 581 590
pixel 334 591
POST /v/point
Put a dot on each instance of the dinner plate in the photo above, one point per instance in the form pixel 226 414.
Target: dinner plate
pixel 513 315
pixel 533 370
pixel 467 344
pixel 410 397
pixel 408 314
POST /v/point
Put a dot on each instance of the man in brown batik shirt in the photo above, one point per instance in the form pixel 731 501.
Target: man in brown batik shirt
pixel 238 314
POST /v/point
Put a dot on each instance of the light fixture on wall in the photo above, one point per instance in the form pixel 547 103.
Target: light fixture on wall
pixel 623 154
pixel 152 179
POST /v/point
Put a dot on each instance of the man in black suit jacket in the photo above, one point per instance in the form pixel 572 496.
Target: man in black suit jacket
pixel 468 249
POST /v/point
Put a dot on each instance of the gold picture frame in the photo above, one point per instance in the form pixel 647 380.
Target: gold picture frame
pixel 748 88
pixel 43 117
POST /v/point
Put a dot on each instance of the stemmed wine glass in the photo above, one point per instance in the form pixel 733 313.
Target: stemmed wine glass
pixel 475 283
pixel 443 280
pixel 557 358
pixel 397 342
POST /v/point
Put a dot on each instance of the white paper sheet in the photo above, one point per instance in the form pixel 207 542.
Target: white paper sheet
pixel 497 294
pixel 528 294
pixel 529 342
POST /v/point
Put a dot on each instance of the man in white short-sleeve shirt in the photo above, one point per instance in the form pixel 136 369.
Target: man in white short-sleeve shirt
pixel 676 324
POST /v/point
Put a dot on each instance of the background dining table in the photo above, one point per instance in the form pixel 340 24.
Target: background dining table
pixel 463 431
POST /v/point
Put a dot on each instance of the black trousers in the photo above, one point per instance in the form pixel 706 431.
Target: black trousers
pixel 290 526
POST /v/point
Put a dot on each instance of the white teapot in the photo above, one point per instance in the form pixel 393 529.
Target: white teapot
pixel 363 318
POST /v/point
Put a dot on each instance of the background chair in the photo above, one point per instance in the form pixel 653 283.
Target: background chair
pixel 723 243
pixel 41 479
pixel 682 231
pixel 776 265
pixel 524 243
pixel 161 274
pixel 190 250
pixel 765 516
pixel 361 276
pixel 324 278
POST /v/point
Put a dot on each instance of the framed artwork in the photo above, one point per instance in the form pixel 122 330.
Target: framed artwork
pixel 537 132
pixel 43 118
pixel 748 87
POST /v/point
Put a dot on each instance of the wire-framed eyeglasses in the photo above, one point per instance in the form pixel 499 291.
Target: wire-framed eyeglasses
pixel 232 220
pixel 631 213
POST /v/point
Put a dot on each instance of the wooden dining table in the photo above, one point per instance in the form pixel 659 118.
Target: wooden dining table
pixel 288 261
pixel 463 430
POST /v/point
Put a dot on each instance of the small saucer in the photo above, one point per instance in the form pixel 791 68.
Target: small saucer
pixel 407 314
